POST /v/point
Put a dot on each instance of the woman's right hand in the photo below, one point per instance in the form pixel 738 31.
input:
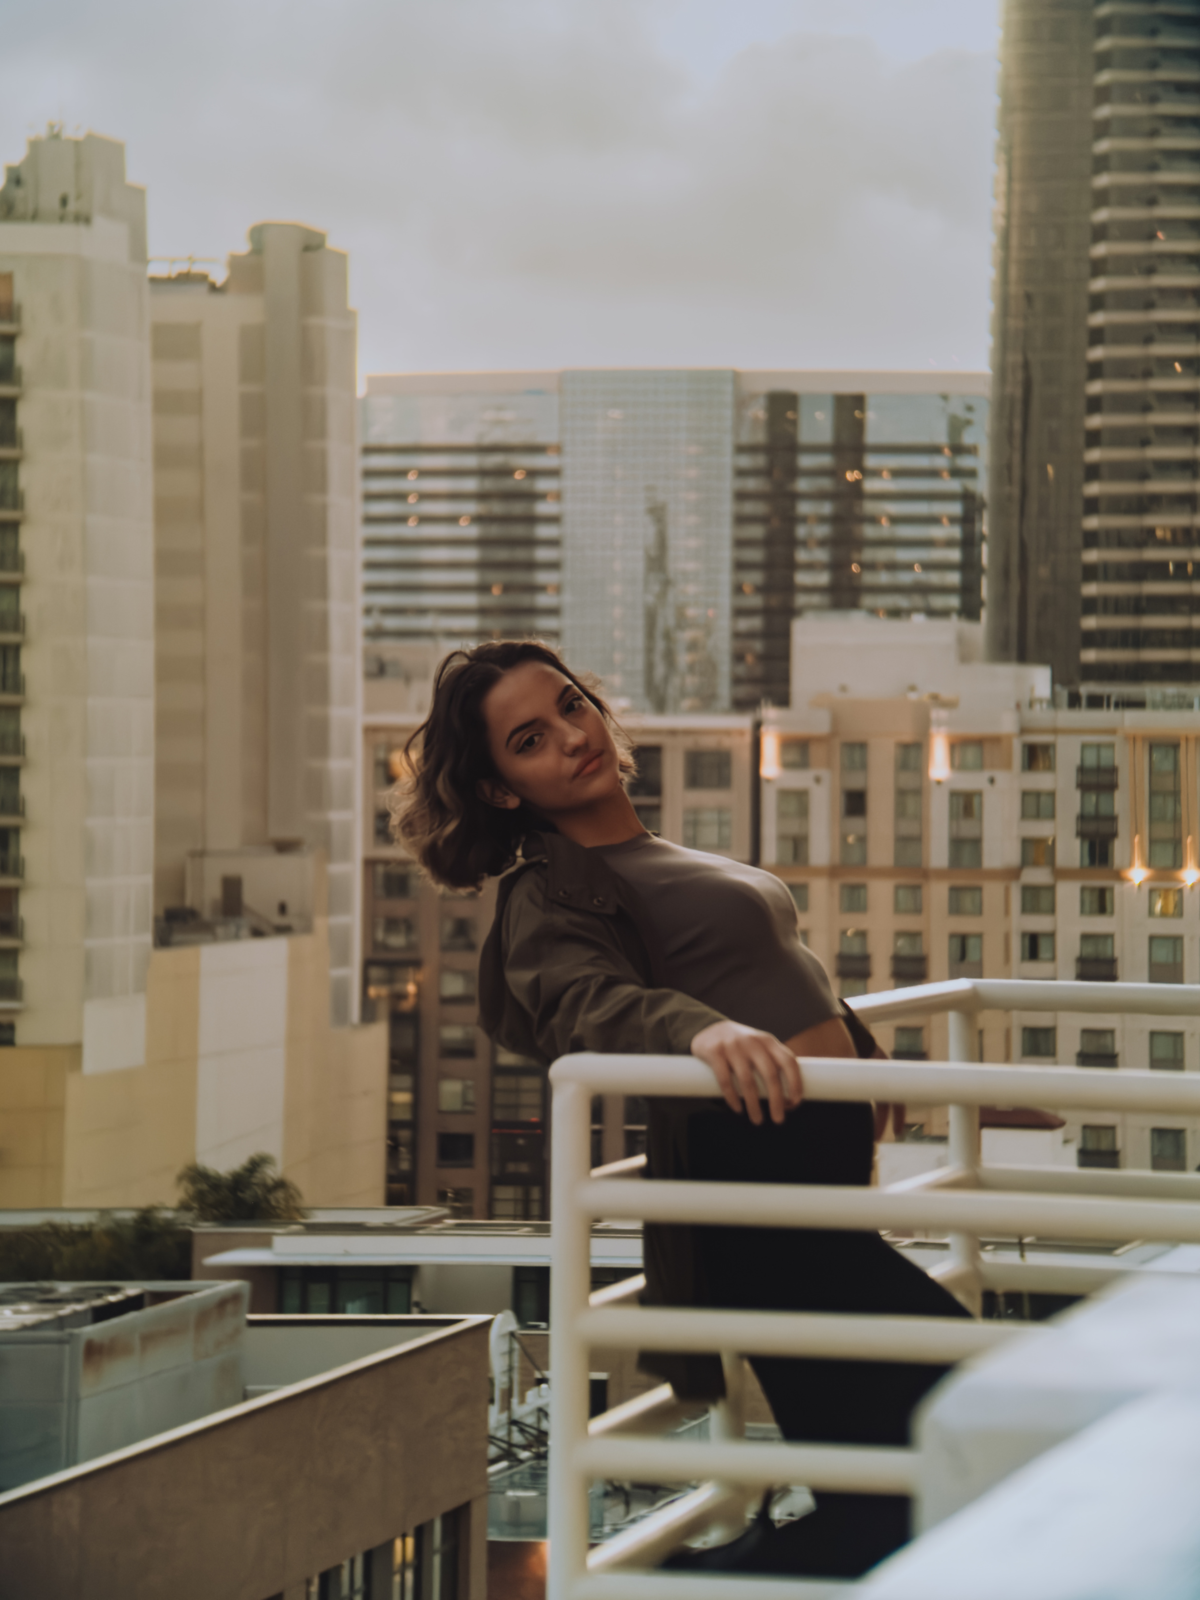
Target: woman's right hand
pixel 739 1057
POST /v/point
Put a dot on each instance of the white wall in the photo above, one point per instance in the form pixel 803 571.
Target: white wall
pixel 241 1071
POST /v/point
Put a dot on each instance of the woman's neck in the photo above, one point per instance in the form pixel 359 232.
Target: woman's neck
pixel 610 821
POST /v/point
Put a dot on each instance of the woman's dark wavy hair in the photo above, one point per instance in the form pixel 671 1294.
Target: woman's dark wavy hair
pixel 436 809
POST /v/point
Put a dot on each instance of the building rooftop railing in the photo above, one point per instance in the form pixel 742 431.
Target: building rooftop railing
pixel 962 1201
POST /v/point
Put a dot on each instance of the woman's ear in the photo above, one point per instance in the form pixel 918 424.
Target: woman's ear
pixel 495 794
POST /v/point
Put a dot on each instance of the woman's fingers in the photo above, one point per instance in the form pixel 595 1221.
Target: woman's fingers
pixel 790 1070
pixel 743 1071
pixel 721 1071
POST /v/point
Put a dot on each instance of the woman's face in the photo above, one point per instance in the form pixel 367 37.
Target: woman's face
pixel 550 745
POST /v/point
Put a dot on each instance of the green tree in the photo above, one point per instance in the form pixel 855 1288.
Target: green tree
pixel 151 1244
pixel 253 1192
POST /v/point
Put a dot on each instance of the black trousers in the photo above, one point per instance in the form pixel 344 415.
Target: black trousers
pixel 778 1269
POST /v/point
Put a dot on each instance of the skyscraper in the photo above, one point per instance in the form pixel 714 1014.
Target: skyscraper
pixel 667 526
pixel 1096 418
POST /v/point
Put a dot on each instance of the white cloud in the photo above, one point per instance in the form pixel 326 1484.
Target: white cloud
pixel 546 182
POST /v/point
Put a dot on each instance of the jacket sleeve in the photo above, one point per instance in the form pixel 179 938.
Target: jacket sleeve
pixel 566 971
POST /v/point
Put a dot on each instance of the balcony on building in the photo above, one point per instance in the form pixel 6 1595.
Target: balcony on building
pixel 1096 969
pixel 853 964
pixel 1097 827
pixel 1096 777
pixel 909 969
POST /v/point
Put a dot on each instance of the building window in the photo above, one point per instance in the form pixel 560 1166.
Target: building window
pixel 8 1034
pixel 645 787
pixel 966 755
pixel 391 882
pixel 966 955
pixel 389 765
pixel 966 854
pixel 1166 958
pixel 1095 852
pixel 854 757
pixel 531 1296
pixel 708 828
pixel 1037 900
pixel 456 1094
pixel 907 900
pixel 456 984
pixel 456 1040
pixel 345 1291
pixel 383 828
pixel 1098 1146
pixel 1095 757
pixel 909 758
pixel 458 933
pixel 1037 805
pixel 966 900
pixel 456 1149
pixel 1166 809
pixel 1097 958
pixel 1168 1150
pixel 1039 1042
pixel 707 769
pixel 1166 902
pixel 854 832
pixel 1037 947
pixel 1097 1048
pixel 1096 900
pixel 852 897
pixel 1166 1052
pixel 799 893
pixel 647 780
pixel 395 933
pixel 1037 852
pixel 517 1202
pixel 518 1096
pixel 966 828
pixel 793 755
pixel 1037 758
pixel 909 1044
pixel 791 827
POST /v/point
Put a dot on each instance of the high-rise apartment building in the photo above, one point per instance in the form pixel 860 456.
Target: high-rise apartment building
pixel 936 816
pixel 77 606
pixel 256 553
pixel 1094 512
pixel 178 535
pixel 666 526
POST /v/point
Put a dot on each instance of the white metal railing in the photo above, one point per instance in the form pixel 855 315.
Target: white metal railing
pixel 962 1201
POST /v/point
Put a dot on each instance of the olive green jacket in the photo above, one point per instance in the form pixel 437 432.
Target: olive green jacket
pixel 572 963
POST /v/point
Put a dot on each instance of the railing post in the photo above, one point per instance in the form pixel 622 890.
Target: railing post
pixel 727 1422
pixel 963 1273
pixel 570 1281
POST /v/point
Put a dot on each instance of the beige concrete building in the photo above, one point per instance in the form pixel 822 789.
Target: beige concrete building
pixel 77 667
pixel 937 817
pixel 177 537
pixel 256 556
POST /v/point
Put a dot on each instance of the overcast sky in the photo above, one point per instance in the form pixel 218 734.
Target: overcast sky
pixel 524 183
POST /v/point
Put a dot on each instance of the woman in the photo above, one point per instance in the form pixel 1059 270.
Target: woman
pixel 608 938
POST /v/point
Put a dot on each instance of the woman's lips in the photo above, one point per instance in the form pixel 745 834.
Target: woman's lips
pixel 590 765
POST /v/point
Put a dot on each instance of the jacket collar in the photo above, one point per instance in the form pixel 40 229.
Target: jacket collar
pixel 575 877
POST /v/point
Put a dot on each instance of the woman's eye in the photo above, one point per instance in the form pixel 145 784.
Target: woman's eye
pixel 527 743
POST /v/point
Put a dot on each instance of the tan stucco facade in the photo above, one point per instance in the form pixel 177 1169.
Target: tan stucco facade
pixel 119 1138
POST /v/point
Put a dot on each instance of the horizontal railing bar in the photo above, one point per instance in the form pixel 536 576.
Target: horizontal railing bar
pixel 659 1406
pixel 780 1205
pixel 795 1333
pixel 822 1466
pixel 1090 1180
pixel 1030 994
pixel 614 1294
pixel 617 1169
pixel 936 1178
pixel 706 1586
pixel 913 1082
pixel 664 1530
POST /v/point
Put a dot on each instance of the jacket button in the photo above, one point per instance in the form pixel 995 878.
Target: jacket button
pixel 598 901
pixel 563 894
